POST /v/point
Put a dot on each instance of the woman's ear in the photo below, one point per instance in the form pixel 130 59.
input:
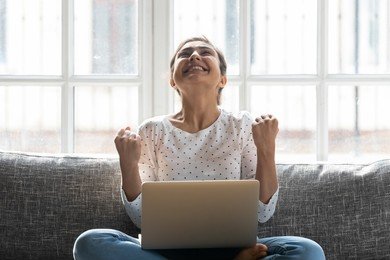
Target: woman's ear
pixel 222 81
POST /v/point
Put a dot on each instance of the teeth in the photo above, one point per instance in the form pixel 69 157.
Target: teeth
pixel 196 68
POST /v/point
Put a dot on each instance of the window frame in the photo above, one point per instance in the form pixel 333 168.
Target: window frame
pixel 68 81
pixel 155 41
pixel 321 80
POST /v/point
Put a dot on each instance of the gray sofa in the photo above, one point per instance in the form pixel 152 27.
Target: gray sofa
pixel 47 201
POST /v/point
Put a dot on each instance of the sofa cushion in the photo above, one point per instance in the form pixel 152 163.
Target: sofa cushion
pixel 345 208
pixel 47 201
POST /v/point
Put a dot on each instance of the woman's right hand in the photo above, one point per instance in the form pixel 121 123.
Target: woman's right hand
pixel 128 145
pixel 256 252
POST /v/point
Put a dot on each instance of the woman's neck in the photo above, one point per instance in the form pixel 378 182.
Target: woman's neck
pixel 194 118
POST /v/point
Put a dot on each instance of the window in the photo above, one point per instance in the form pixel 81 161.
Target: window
pixel 106 35
pixel 2 32
pixel 70 73
pixel 73 72
pixel 301 60
pixel 30 117
pixel 31 37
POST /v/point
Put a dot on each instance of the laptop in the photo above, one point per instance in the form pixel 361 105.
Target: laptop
pixel 199 214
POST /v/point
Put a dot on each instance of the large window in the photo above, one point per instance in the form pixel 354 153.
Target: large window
pixel 73 72
pixel 70 73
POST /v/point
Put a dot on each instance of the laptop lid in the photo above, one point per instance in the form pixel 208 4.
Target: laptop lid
pixel 199 214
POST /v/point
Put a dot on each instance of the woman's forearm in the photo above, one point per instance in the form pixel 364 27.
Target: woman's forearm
pixel 128 145
pixel 266 175
pixel 131 182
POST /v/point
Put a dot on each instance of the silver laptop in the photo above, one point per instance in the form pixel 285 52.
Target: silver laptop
pixel 199 214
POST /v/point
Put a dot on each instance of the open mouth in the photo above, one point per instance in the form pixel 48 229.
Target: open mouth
pixel 194 68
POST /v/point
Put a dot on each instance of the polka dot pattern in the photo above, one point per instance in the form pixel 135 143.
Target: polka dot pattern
pixel 223 151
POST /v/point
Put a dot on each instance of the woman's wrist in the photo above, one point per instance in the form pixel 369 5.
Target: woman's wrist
pixel 266 154
pixel 129 168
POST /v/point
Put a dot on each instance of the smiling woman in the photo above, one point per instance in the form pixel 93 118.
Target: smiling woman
pixel 200 142
pixel 207 49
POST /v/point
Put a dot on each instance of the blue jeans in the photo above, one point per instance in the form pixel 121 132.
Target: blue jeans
pixel 112 244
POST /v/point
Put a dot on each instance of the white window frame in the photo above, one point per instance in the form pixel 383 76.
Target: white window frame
pixel 155 35
pixel 321 80
pixel 68 80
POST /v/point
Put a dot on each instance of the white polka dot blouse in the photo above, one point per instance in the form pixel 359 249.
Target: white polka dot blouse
pixel 223 151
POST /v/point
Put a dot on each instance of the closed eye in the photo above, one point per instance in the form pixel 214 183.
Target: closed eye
pixel 183 55
pixel 206 53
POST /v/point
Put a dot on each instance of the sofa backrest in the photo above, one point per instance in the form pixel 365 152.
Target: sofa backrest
pixel 47 201
pixel 345 208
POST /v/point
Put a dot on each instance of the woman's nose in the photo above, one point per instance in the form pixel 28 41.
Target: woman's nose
pixel 195 55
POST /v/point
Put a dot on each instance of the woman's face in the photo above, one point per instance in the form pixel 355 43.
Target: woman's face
pixel 197 64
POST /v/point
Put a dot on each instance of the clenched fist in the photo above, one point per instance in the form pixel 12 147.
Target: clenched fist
pixel 128 145
pixel 265 129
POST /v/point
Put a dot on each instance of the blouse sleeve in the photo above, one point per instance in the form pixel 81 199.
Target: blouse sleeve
pixel 133 208
pixel 266 211
pixel 248 153
pixel 147 169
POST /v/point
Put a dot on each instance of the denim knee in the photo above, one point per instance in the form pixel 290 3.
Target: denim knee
pixel 292 246
pixel 85 244
pixel 311 249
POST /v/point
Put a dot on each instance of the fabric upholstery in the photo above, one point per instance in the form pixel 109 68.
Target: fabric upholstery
pixel 345 208
pixel 47 201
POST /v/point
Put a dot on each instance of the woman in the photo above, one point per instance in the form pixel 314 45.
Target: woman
pixel 224 146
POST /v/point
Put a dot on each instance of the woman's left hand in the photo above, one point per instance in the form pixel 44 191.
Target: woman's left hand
pixel 265 129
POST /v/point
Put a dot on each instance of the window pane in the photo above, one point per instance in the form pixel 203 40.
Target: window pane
pixel 230 98
pixel 30 37
pixel 359 122
pixel 106 37
pixel 215 19
pixel 99 113
pixel 359 36
pixel 295 108
pixel 283 36
pixel 30 118
pixel 3 23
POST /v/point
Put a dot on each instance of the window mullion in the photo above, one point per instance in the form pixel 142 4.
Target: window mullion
pixel 162 35
pixel 146 58
pixel 244 64
pixel 322 87
pixel 67 90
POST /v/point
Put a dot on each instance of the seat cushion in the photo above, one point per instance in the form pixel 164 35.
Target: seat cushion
pixel 47 201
